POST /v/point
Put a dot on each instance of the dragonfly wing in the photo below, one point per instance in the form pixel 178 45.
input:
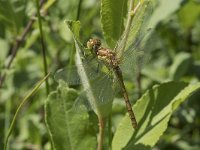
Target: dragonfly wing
pixel 82 104
pixel 68 74
pixel 100 95
pixel 137 54
pixel 72 76
pixel 138 26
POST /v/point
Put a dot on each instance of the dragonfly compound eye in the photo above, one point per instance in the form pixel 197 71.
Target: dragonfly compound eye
pixel 94 44
pixel 95 48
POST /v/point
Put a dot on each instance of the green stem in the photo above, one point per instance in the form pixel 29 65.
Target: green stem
pixel 20 106
pixel 43 46
pixel 132 11
pixel 79 10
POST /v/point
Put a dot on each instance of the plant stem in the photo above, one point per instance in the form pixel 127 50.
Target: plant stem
pixel 43 46
pixel 110 131
pixel 20 106
pixel 79 10
pixel 101 133
pixel 18 42
pixel 132 11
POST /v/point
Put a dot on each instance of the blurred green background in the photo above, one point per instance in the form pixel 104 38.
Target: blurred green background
pixel 175 55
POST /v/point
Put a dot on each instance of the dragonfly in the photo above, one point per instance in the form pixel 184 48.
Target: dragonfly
pixel 113 60
pixel 110 59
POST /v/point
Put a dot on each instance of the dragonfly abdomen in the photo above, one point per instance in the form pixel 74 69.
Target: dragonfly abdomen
pixel 119 76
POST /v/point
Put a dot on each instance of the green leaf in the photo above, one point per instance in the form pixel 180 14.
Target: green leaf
pixel 153 111
pixel 67 129
pixel 12 14
pixel 74 27
pixel 164 9
pixel 181 64
pixel 112 14
pixel 188 19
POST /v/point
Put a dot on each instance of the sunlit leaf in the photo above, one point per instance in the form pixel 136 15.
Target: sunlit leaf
pixel 153 111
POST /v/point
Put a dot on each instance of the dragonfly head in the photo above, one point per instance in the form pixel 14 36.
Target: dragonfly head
pixel 94 44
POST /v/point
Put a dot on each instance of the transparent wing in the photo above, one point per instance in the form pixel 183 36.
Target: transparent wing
pixel 102 95
pixel 138 26
pixel 72 77
pixel 68 74
pixel 137 55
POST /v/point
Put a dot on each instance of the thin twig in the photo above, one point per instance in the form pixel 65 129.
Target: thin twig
pixel 101 133
pixel 17 44
pixel 43 46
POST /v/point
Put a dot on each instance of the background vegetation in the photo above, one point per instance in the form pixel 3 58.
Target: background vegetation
pixel 174 48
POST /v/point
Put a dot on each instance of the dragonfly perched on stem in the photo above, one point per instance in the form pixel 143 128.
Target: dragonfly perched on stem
pixel 110 59
pixel 128 51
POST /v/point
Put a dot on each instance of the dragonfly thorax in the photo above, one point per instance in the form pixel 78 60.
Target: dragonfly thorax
pixel 106 55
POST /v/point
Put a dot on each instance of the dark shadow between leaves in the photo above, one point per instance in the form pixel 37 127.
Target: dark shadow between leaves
pixel 139 147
